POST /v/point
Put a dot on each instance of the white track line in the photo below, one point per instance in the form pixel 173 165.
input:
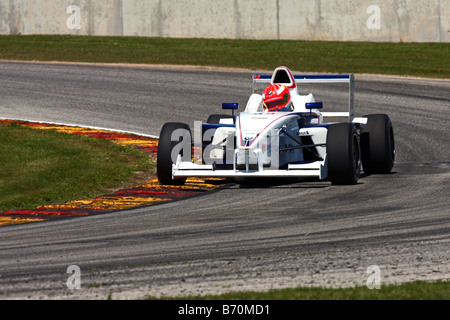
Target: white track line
pixel 85 127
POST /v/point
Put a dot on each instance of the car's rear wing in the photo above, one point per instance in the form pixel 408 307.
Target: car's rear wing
pixel 325 78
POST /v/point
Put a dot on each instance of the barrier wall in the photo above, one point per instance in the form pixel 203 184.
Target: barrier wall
pixel 342 20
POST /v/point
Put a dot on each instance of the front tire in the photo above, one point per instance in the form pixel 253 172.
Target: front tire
pixel 175 139
pixel 344 154
pixel 377 145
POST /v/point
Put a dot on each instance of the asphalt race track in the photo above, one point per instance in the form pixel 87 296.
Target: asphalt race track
pixel 253 236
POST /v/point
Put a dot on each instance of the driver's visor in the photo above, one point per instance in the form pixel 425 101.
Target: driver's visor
pixel 277 104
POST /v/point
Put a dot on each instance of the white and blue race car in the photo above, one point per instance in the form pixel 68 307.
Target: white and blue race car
pixel 294 141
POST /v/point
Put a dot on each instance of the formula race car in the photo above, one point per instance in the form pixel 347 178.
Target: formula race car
pixel 281 133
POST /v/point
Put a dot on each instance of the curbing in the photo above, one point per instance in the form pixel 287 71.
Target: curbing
pixel 147 194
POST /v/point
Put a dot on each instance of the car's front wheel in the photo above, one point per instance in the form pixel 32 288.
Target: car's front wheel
pixel 343 153
pixel 175 139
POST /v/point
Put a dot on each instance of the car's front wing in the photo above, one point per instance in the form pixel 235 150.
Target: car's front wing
pixel 317 169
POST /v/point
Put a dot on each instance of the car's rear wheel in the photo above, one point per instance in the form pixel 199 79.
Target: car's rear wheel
pixel 377 144
pixel 344 154
pixel 175 139
pixel 215 118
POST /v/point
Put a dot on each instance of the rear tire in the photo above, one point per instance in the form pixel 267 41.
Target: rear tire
pixel 377 145
pixel 344 154
pixel 215 118
pixel 173 134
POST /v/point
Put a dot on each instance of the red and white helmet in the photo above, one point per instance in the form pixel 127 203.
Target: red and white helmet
pixel 276 97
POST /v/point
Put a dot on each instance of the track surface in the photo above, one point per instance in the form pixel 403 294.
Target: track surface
pixel 240 237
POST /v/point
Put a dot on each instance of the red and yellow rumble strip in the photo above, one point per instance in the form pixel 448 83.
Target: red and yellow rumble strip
pixel 150 193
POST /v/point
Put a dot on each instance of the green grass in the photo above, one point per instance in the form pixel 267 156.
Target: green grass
pixel 40 167
pixel 407 59
pixel 409 291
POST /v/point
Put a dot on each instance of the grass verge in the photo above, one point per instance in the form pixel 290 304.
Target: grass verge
pixel 406 59
pixel 409 291
pixel 46 167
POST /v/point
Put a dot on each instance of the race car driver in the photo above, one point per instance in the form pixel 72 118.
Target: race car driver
pixel 276 98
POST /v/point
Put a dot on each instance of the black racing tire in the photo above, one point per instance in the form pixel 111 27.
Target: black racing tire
pixel 378 145
pixel 215 118
pixel 343 154
pixel 172 135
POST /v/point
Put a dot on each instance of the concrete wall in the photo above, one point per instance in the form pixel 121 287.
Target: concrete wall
pixel 363 20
